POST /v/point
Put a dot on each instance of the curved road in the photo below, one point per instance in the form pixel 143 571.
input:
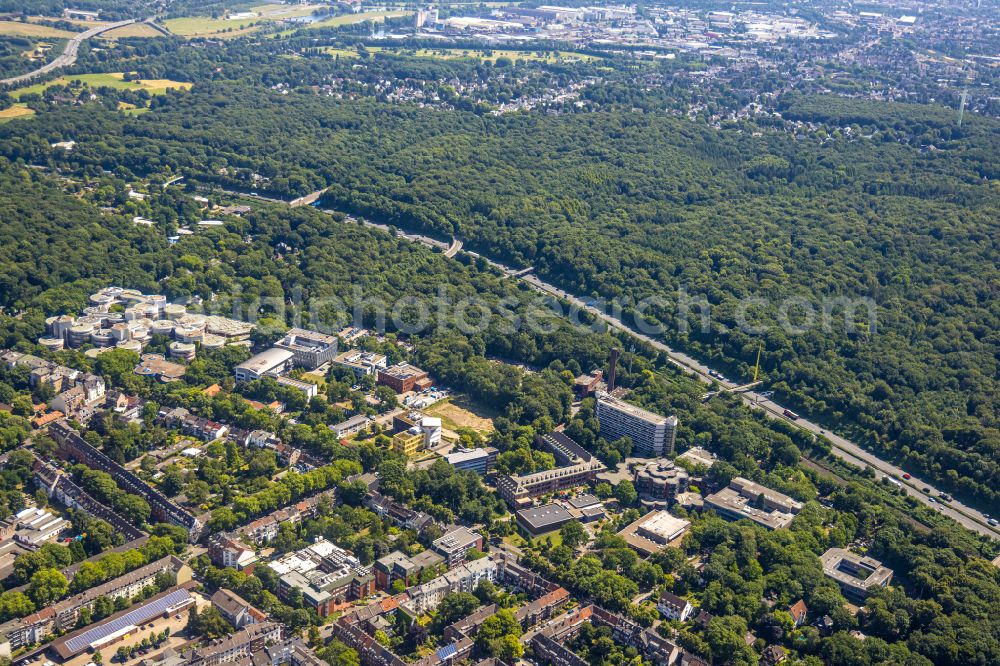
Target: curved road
pixel 68 56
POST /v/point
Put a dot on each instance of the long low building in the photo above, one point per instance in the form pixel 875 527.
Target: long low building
pixel 124 624
pixel 542 519
pixel 745 499
pixel 271 362
pixel 73 446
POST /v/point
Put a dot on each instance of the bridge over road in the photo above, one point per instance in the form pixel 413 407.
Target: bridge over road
pixel 68 56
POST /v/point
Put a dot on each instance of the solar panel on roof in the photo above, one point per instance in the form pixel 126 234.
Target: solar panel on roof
pixel 133 618
pixel 447 651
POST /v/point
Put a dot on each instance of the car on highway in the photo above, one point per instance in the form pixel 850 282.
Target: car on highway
pixel 790 414
pixel 993 522
pixel 927 490
pixel 932 500
pixel 945 496
pixel 906 476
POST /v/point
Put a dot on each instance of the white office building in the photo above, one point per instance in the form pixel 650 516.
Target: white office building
pixel 653 435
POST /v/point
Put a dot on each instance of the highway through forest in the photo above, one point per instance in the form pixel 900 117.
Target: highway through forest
pixel 68 56
pixel 843 448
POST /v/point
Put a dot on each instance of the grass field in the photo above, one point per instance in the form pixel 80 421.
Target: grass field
pixel 134 30
pixel 349 19
pixel 15 111
pixel 459 413
pixel 203 26
pixel 115 80
pixel 18 29
pixel 492 54
pixel 80 23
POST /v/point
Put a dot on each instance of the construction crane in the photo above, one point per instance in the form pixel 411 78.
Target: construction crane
pixel 756 368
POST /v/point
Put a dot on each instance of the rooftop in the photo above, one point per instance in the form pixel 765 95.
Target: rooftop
pixel 266 360
pixel 540 517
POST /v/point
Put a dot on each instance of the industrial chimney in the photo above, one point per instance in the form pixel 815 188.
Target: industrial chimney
pixel 612 368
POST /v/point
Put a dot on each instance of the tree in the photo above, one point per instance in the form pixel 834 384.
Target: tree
pixel 47 585
pixel 337 653
pixel 453 607
pixel 495 631
pixel 573 534
pixel 625 493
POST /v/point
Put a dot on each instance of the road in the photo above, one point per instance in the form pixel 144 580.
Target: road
pixel 843 448
pixel 68 56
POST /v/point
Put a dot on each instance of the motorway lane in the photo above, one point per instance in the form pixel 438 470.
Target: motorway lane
pixel 966 516
pixel 68 56
pixel 845 449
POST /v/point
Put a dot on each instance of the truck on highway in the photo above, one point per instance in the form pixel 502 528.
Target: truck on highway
pixel 790 414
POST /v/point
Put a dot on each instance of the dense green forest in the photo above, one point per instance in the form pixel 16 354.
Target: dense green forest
pixel 63 247
pixel 627 206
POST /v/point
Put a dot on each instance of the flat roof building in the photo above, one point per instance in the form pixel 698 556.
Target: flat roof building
pixel 403 378
pixel 454 545
pixel 310 349
pixel 361 362
pixel 473 460
pixel 651 434
pixel 542 519
pixel 353 425
pixel 855 574
pixel 274 361
pixel 745 499
pixel 699 456
pixel 654 531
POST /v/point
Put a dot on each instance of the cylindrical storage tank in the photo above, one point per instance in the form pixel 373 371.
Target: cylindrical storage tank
pixel 174 311
pixel 213 341
pixel 161 327
pixel 131 345
pixel 182 350
pixel 102 338
pixel 79 334
pixel 51 344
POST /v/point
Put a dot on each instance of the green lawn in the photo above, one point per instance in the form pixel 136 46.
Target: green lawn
pixel 112 80
pixel 200 26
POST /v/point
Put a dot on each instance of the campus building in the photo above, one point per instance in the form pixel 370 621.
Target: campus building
pixel 855 574
pixel 660 481
pixel 309 349
pixel 745 499
pixel 479 461
pixel 403 378
pixel 652 435
pixel 271 362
